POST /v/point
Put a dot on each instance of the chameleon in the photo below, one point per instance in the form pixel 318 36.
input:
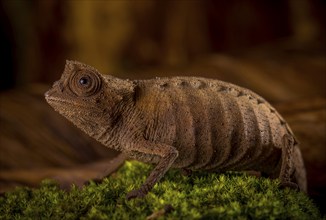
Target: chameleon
pixel 187 123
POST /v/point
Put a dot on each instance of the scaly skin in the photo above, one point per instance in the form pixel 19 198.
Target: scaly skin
pixel 183 122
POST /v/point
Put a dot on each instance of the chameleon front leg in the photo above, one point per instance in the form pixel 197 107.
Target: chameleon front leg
pixel 167 155
pixel 287 167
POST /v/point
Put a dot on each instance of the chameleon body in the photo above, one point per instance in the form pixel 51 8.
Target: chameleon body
pixel 182 122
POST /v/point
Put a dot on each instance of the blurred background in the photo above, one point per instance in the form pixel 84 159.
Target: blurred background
pixel 273 47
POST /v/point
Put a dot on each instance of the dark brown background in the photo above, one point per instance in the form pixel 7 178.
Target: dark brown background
pixel 274 47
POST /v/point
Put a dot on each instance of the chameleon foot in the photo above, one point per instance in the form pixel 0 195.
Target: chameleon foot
pixel 289 185
pixel 95 180
pixel 186 172
pixel 137 193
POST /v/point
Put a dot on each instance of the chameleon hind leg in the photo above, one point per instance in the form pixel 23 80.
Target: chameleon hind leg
pixel 287 166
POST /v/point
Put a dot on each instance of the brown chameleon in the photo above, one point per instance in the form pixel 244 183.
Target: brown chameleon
pixel 181 122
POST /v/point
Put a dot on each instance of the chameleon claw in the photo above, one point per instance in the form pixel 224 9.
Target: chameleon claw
pixel 137 193
pixel 290 185
pixel 186 172
pixel 96 181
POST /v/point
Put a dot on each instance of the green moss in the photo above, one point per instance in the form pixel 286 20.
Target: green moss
pixel 200 196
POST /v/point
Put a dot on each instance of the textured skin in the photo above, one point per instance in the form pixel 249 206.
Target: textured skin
pixel 182 122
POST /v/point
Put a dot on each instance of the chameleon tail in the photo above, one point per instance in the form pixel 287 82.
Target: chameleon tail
pixel 299 169
pixel 293 172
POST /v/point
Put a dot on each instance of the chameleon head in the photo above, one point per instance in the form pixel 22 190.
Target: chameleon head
pixel 79 95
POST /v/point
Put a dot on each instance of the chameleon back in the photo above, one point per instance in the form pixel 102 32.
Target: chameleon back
pixel 214 125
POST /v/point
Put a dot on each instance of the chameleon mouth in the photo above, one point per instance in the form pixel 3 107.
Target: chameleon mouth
pixel 58 103
pixel 53 100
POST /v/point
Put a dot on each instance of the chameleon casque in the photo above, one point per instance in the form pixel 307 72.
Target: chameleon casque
pixel 181 122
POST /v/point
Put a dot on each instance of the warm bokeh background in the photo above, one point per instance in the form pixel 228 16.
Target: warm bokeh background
pixel 274 47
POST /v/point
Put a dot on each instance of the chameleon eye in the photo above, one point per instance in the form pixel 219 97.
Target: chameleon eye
pixel 84 83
